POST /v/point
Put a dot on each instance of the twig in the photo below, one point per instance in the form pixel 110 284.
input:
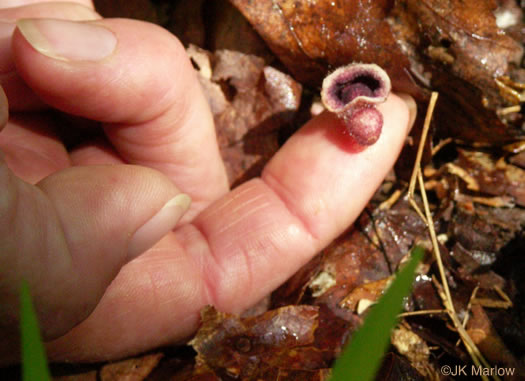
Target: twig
pixel 469 307
pixel 421 312
pixel 419 155
pixel 440 145
pixel 443 289
pixel 502 294
pixel 424 133
pixel 509 110
pixel 387 204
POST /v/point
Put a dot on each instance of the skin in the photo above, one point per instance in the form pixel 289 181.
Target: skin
pixel 231 248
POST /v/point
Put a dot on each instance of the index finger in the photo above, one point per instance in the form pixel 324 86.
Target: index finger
pixel 146 93
pixel 244 245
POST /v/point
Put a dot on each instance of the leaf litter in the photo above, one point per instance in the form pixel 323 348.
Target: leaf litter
pixel 470 166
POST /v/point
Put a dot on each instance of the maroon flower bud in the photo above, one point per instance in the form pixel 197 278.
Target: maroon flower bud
pixel 352 92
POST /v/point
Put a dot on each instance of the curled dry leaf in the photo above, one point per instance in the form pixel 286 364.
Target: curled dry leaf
pixel 186 22
pixel 487 339
pixel 228 29
pixel 250 103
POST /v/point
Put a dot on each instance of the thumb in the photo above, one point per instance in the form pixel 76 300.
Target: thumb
pixel 71 233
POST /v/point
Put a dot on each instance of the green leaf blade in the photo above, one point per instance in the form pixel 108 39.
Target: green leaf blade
pixel 34 362
pixel 362 357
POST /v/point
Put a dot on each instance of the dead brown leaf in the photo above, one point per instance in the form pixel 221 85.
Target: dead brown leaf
pixel 134 369
pixel 250 103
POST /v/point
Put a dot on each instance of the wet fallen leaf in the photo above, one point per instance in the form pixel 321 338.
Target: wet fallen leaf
pixel 454 47
pixel 368 291
pixel 313 37
pixel 248 348
pixel 134 369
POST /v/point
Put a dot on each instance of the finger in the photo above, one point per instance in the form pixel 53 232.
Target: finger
pixel 146 93
pixel 244 245
pixel 309 193
pixel 31 148
pixel 18 3
pixel 70 235
pixel 21 97
pixel 97 152
pixel 4 109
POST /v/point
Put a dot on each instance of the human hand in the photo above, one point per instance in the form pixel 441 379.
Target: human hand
pixel 105 283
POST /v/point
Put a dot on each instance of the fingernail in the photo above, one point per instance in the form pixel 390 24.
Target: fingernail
pixel 159 225
pixel 68 40
pixel 412 108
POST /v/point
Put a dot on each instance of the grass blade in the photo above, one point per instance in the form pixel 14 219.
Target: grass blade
pixel 362 357
pixel 34 362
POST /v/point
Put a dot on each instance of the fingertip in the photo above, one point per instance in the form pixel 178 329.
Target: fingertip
pixel 162 222
pixel 21 97
pixel 96 69
pixel 399 113
pixel 412 108
pixel 346 169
